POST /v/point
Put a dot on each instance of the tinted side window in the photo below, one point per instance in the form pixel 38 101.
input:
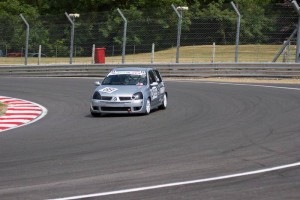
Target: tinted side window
pixel 151 77
pixel 157 75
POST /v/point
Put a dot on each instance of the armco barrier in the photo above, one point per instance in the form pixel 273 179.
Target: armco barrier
pixel 291 70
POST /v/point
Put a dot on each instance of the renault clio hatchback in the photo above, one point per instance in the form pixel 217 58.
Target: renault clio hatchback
pixel 129 90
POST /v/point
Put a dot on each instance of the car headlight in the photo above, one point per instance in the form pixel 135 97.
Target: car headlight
pixel 97 96
pixel 137 96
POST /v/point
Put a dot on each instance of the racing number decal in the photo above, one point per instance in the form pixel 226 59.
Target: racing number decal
pixel 109 90
pixel 153 93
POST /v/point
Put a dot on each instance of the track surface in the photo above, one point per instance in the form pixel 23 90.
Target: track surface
pixel 208 130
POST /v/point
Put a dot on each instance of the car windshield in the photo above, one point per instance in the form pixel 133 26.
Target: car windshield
pixel 125 79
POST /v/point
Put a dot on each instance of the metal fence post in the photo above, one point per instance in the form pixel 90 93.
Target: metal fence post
pixel 124 35
pixel 178 32
pixel 238 25
pixel 213 54
pixel 72 21
pixel 152 52
pixel 296 6
pixel 93 54
pixel 179 14
pixel 40 54
pixel 286 43
pixel 27 38
pixel 288 51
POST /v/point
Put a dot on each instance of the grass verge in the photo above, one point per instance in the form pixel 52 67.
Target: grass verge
pixel 188 54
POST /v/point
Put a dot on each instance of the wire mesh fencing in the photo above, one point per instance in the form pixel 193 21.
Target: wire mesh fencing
pixel 151 37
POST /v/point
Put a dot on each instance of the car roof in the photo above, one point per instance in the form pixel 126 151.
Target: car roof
pixel 132 69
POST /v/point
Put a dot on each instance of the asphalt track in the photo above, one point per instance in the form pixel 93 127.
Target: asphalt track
pixel 208 130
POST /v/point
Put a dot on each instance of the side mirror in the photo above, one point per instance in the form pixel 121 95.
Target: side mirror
pixel 154 84
pixel 97 83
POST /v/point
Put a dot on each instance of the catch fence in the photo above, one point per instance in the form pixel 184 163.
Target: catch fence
pixel 151 37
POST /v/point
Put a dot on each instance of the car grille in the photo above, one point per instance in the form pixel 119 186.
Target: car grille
pixel 115 108
pixel 106 98
pixel 125 98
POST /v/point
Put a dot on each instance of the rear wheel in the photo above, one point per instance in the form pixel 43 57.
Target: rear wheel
pixel 164 103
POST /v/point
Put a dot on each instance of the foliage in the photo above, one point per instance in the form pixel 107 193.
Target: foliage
pixel 145 17
pixel 12 23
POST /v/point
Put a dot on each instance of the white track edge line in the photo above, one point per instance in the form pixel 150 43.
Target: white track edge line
pixel 183 183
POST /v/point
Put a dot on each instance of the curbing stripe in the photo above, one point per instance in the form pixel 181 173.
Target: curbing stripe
pixel 20 113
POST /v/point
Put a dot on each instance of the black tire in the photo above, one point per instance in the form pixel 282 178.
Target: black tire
pixel 96 114
pixel 164 104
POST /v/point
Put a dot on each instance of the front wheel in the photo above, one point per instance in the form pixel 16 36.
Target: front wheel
pixel 164 104
pixel 148 107
pixel 96 114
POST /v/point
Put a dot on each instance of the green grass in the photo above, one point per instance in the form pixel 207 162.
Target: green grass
pixel 2 108
pixel 188 54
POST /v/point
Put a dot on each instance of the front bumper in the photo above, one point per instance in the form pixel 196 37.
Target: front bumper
pixel 101 106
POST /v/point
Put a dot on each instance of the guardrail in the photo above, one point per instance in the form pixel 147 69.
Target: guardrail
pixel 291 70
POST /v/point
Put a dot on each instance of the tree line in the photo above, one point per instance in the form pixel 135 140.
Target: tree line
pixel 149 21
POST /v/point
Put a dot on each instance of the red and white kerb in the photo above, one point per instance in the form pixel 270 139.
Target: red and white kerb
pixel 19 112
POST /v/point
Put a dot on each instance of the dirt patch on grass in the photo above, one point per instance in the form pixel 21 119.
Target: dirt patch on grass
pixel 3 108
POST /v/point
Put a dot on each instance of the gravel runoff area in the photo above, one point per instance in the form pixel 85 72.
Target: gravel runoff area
pixel 244 80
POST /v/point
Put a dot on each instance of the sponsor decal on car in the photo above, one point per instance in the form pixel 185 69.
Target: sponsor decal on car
pixel 153 93
pixel 127 72
pixel 108 90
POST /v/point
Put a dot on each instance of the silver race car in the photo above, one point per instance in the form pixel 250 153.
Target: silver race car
pixel 129 90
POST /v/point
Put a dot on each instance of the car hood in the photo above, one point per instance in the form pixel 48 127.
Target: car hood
pixel 117 90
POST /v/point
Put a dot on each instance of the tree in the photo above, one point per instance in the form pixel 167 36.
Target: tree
pixel 12 27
